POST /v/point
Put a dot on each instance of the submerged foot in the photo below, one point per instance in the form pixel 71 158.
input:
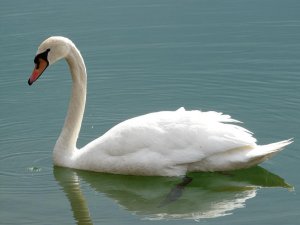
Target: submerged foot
pixel 176 192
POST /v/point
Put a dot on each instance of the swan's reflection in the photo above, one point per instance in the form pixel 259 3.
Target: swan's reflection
pixel 207 195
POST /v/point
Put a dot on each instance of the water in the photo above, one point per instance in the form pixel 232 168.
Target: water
pixel 238 57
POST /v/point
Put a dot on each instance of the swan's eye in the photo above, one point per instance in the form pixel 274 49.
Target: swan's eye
pixel 43 55
pixel 37 62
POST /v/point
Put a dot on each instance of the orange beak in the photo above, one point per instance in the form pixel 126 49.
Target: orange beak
pixel 40 67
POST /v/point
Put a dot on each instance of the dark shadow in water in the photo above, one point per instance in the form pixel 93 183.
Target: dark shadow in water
pixel 202 195
pixel 176 192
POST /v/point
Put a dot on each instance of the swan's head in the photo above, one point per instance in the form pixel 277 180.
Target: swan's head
pixel 50 51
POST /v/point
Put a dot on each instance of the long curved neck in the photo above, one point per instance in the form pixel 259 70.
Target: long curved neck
pixel 66 143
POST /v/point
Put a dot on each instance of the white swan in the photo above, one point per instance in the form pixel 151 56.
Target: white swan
pixel 168 143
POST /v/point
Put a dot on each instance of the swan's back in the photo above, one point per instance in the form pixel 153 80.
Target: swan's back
pixel 171 143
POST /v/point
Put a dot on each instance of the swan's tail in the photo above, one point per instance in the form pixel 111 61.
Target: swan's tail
pixel 263 152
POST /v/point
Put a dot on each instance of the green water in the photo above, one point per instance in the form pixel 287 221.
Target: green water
pixel 240 57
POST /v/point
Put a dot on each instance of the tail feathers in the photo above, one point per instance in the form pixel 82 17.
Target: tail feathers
pixel 266 151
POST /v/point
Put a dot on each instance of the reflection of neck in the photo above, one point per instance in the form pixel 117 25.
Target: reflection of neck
pixel 69 181
pixel 66 143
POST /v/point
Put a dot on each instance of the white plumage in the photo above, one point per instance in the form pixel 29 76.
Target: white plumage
pixel 168 143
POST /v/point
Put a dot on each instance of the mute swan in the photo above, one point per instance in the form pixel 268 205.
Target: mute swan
pixel 167 143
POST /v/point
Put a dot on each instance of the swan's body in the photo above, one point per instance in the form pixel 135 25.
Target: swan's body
pixel 169 143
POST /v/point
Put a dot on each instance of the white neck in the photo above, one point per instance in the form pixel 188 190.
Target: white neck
pixel 66 143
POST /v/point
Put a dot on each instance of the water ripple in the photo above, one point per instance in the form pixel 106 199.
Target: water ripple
pixel 16 164
pixel 24 172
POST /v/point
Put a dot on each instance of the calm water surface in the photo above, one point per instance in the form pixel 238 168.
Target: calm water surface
pixel 238 57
